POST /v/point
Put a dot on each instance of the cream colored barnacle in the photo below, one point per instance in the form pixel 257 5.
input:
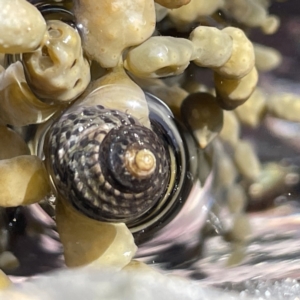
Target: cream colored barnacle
pixel 159 57
pixel 234 92
pixel 116 90
pixel 109 27
pixel 184 16
pixel 12 144
pixel 213 47
pixel 203 116
pixel 172 95
pixel 252 13
pixel 18 105
pixel 23 181
pixel 285 106
pixel 266 58
pixel 90 242
pixel 254 109
pixel 58 71
pixel 23 28
pixel 242 59
pixel 249 12
pixel 20 172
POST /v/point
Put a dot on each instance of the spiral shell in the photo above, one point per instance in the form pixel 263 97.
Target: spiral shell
pixel 107 164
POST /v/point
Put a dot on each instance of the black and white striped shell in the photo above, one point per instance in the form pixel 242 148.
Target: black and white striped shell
pixel 92 154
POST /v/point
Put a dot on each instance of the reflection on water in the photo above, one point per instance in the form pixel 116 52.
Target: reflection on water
pixel 273 251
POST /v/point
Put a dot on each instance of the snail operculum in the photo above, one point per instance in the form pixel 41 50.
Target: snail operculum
pixel 107 164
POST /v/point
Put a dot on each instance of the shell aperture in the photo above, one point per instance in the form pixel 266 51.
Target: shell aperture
pixel 106 164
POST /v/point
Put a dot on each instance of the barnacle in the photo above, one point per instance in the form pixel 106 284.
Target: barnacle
pixel 206 38
pixel 23 31
pixel 121 168
pixel 186 15
pixel 159 57
pixel 58 71
pixel 231 93
pixel 104 22
pixel 203 116
pixel 242 59
pixel 19 106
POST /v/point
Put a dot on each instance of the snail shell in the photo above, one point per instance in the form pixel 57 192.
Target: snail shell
pixel 105 162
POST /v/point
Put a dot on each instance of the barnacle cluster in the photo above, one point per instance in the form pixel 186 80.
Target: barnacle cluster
pixel 129 45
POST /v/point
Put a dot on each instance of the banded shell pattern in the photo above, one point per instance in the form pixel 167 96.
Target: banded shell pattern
pixel 109 166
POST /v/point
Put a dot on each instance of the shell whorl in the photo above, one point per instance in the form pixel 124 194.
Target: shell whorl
pixel 109 166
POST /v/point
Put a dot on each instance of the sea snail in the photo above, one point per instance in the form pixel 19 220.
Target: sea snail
pixel 107 164
pixel 106 158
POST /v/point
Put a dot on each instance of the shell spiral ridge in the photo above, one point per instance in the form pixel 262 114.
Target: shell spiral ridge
pixel 109 166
